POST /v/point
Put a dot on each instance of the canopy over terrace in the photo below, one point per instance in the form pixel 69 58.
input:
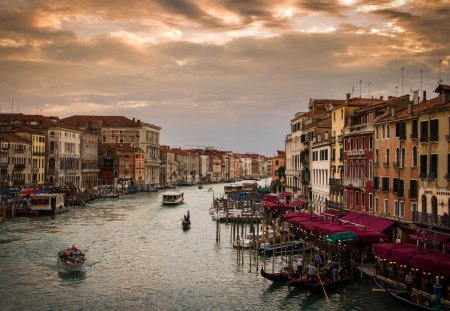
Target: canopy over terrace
pixel 425 236
pixel 437 263
pixel 367 221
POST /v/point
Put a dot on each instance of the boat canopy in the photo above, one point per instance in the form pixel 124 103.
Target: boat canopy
pixel 341 237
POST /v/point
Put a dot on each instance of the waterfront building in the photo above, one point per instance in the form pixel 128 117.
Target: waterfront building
pixel 169 167
pixel 119 129
pixel 246 166
pixel 204 173
pixel 293 147
pixel 339 113
pixel 16 155
pixel 358 156
pixel 395 161
pixel 38 153
pixel 320 166
pixel 64 156
pixel 278 165
pixel 434 162
pixel 188 166
pixel 89 162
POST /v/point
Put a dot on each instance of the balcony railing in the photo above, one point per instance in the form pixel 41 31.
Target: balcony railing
pixel 432 175
pixel 335 183
pixel 430 219
pixel 396 164
pixel 355 182
pixel 412 194
pixel 19 167
pixel 402 137
pixel 386 164
pixel 434 138
pixel 413 136
pixel 334 205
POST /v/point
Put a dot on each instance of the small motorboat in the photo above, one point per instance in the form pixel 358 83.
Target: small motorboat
pixel 71 259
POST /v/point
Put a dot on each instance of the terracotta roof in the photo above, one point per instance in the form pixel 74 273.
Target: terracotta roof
pixel 442 87
pixel 103 121
pixel 416 109
pixel 327 101
pixel 11 137
pixel 314 113
pixel 325 122
pixel 363 102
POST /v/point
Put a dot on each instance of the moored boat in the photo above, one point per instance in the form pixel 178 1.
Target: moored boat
pixel 48 203
pixel 275 249
pixel 71 259
pixel 420 302
pixel 285 275
pixel 173 197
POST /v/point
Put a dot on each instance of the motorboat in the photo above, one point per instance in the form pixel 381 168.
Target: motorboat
pixel 173 197
pixel 71 259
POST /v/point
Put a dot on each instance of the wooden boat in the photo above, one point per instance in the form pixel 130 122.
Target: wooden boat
pixel 173 197
pixel 284 276
pixel 327 285
pixel 71 259
pixel 186 221
pixel 405 296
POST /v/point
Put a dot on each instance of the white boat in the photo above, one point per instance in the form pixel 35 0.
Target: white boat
pixel 71 259
pixel 232 212
pixel 48 203
pixel 173 197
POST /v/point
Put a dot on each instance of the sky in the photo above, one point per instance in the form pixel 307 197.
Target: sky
pixel 227 74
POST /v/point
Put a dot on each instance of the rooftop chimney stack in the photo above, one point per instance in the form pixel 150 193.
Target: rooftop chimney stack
pixel 424 98
pixel 415 97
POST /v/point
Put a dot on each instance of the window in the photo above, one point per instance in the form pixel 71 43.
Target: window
pixel 377 156
pixel 434 125
pixel 370 143
pixel 376 185
pixel 413 189
pixel 400 130
pixel 370 169
pixel 351 199
pixel 370 202
pixel 356 199
pixel 363 203
pixel 396 212
pixel 402 209
pixel 424 131
pixel 387 131
pixel 423 165
pixel 363 174
pixel 402 162
pixel 414 129
pixel 414 157
pixel 433 165
pixel 376 205
pixel 386 207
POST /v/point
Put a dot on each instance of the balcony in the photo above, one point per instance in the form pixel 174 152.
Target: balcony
pixel 430 219
pixel 402 137
pixel 355 182
pixel 397 164
pixel 412 194
pixel 386 164
pixel 359 128
pixel 361 152
pixel 434 139
pixel 413 136
pixel 334 205
pixel 432 175
pixel 19 150
pixel 424 139
pixel 19 167
pixel 335 183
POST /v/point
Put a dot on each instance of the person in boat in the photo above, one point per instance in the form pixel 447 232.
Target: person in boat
pixel 311 271
pixel 299 264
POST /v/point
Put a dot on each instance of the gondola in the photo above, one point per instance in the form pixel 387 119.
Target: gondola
pixel 405 296
pixel 327 285
pixel 186 221
pixel 283 276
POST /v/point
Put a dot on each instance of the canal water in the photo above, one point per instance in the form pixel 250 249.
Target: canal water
pixel 139 258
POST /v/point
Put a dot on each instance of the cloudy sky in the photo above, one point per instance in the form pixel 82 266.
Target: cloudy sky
pixel 229 74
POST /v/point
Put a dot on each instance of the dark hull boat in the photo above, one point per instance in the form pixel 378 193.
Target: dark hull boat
pixel 405 296
pixel 316 287
pixel 284 276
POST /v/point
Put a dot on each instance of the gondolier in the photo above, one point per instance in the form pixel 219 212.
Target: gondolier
pixel 409 279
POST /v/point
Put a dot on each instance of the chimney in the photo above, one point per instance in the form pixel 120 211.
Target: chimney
pixel 381 97
pixel 424 96
pixel 347 96
pixel 410 108
pixel 415 97
pixel 134 119
pixel 393 112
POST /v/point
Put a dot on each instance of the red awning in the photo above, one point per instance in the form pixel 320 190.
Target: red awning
pixel 329 228
pixel 367 221
pixel 284 194
pixel 404 254
pixel 297 203
pixel 291 215
pixel 384 249
pixel 429 262
pixel 431 236
pixel 331 213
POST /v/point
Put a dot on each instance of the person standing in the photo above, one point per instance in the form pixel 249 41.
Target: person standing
pixel 409 279
pixel 311 271
pixel 299 265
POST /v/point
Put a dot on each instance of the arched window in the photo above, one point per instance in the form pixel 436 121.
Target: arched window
pixel 52 146
pixel 402 163
pixel 424 205
pixel 370 169
pixel 377 156
pixel 352 173
pixel 356 169
pixel 414 156
pixel 363 169
pixel 434 209
pixel 51 163
pixel 397 157
pixel 387 156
